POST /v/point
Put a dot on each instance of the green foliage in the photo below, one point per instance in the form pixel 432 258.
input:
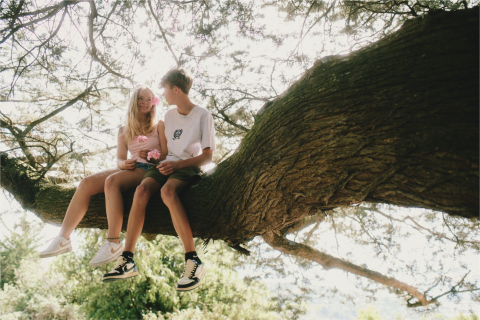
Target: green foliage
pixel 152 294
pixel 18 244
pixel 69 288
pixel 369 313
pixel 28 291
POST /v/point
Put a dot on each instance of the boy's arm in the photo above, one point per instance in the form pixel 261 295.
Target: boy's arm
pixel 169 167
pixel 163 140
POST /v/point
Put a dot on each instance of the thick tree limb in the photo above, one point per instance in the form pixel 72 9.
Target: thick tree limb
pixel 395 122
pixel 303 223
pixel 329 262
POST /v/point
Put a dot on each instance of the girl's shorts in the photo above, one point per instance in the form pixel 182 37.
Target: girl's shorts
pixel 144 166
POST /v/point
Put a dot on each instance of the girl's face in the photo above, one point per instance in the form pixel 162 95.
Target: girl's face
pixel 145 101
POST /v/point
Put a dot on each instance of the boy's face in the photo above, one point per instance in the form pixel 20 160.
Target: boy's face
pixel 169 94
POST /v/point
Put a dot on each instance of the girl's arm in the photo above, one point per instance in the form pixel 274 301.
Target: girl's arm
pixel 122 152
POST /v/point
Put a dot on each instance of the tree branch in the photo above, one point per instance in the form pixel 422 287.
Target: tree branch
pixel 452 290
pixel 55 10
pixel 329 262
pixel 93 50
pixel 227 118
pixel 303 223
pixel 418 226
pixel 48 116
pixel 182 2
pixel 163 33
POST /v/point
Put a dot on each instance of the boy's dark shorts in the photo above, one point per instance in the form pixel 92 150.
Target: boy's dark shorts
pixel 190 174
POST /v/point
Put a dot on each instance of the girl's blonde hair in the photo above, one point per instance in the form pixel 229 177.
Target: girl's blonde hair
pixel 133 127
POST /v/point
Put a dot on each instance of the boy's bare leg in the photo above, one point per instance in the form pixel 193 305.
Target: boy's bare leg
pixel 179 216
pixel 78 206
pixel 144 191
pixel 115 184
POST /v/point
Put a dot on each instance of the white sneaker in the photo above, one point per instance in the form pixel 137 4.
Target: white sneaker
pixel 108 252
pixel 58 246
pixel 192 276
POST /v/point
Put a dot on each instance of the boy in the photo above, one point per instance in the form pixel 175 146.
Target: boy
pixel 190 139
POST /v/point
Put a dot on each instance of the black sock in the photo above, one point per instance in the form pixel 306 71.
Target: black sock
pixel 193 256
pixel 128 254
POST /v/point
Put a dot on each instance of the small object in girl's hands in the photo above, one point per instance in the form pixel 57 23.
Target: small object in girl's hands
pixel 156 101
pixel 142 139
pixel 153 156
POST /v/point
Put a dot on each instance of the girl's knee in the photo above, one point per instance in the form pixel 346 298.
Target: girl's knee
pixel 141 193
pixel 111 182
pixel 86 184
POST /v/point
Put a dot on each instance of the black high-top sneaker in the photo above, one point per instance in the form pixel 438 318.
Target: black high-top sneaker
pixel 123 269
pixel 192 275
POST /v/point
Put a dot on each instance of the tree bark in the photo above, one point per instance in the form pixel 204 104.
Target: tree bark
pixel 395 122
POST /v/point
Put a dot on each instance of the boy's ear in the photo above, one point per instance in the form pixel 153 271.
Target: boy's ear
pixel 176 89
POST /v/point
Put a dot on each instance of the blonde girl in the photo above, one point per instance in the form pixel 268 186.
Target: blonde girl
pixel 140 120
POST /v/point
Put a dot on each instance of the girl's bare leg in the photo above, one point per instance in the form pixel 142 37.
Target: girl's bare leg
pixel 114 186
pixel 144 191
pixel 78 206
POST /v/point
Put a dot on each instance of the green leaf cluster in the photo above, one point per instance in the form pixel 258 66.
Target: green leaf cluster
pixel 69 288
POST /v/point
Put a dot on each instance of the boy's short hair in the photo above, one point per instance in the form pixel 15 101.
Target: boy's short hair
pixel 177 77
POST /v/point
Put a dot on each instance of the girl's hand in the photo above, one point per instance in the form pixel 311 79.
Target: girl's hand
pixel 143 153
pixel 129 164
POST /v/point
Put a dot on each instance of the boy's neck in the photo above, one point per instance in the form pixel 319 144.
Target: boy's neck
pixel 184 106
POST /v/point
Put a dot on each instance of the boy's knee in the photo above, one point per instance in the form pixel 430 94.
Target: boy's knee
pixel 167 193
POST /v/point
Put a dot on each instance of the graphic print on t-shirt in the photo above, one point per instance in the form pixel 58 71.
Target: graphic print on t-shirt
pixel 177 134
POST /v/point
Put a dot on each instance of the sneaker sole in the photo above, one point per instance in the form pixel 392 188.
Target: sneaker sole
pixel 195 285
pixel 121 277
pixel 47 255
pixel 115 257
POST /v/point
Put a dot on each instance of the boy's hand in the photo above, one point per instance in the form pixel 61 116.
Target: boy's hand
pixel 143 153
pixel 168 167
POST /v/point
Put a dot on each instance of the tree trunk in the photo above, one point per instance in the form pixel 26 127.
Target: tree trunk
pixel 395 122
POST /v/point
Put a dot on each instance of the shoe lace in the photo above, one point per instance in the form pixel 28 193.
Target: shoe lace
pixel 50 239
pixel 120 262
pixel 190 268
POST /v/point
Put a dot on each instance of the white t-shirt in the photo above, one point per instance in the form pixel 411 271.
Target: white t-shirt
pixel 188 135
